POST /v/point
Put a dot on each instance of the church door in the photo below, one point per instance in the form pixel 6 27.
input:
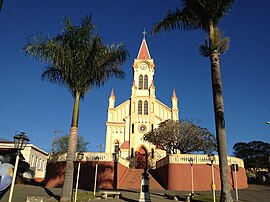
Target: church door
pixel 140 158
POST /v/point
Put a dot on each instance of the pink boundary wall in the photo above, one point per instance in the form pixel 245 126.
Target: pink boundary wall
pixel 178 177
pixel 172 176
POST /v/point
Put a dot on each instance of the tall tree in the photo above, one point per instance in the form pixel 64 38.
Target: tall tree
pixel 205 15
pixel 185 136
pixel 80 61
pixel 255 154
pixel 61 144
pixel 1 3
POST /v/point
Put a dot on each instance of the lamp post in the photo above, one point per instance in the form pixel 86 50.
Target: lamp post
pixel 212 159
pixel 95 185
pixel 145 190
pixel 20 141
pixel 79 157
pixel 192 179
pixel 234 170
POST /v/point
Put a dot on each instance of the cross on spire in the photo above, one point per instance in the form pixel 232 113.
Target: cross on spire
pixel 144 33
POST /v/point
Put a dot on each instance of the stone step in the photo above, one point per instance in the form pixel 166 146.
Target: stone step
pixel 132 180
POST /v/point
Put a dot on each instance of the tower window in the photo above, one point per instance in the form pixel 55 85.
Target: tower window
pixel 145 110
pixel 145 86
pixel 140 107
pixel 140 82
pixel 132 128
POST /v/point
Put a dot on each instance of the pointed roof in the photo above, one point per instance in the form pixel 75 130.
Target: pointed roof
pixel 144 52
pixel 174 96
pixel 134 85
pixel 112 94
pixel 152 84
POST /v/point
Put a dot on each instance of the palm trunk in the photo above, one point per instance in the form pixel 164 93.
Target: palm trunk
pixel 220 126
pixel 68 182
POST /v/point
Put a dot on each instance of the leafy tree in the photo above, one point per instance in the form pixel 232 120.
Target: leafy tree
pixel 78 60
pixel 206 15
pixel 166 136
pixel 185 136
pixel 255 154
pixel 194 138
pixel 61 144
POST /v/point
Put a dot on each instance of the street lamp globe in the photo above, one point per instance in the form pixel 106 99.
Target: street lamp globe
pixel 190 160
pixel 97 158
pixel 80 156
pixel 211 157
pixel 20 141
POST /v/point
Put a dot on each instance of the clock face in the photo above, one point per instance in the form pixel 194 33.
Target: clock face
pixel 143 66
pixel 142 128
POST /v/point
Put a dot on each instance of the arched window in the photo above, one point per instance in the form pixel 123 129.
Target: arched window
pixel 145 107
pixel 116 147
pixel 140 107
pixel 140 82
pixel 145 86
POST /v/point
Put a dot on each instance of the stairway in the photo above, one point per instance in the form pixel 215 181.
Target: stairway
pixel 132 180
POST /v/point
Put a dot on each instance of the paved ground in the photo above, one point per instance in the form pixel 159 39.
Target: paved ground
pixel 255 193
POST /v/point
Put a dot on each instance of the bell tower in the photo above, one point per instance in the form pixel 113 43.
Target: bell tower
pixel 143 70
pixel 143 97
pixel 141 113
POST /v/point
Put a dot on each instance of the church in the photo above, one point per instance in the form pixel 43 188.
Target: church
pixel 142 112
pixel 120 167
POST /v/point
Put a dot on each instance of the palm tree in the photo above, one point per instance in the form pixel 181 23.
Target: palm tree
pixel 205 15
pixel 80 61
pixel 1 3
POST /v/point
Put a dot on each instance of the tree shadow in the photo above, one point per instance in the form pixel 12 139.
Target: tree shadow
pixel 51 194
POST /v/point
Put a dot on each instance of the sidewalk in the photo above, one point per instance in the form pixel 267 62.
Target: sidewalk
pixel 255 193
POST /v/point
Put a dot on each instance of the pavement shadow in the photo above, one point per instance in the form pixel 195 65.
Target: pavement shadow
pixel 51 194
pixel 128 199
pixel 126 190
pixel 2 193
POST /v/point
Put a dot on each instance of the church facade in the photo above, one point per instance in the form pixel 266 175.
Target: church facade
pixel 142 112
pixel 126 125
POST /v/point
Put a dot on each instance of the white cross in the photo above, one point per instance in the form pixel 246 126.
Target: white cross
pixel 144 33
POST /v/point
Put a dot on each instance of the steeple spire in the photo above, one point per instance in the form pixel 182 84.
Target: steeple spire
pixel 112 100
pixel 112 94
pixel 144 52
pixel 174 106
pixel 174 96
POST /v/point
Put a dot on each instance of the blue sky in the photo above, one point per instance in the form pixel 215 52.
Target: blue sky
pixel 37 107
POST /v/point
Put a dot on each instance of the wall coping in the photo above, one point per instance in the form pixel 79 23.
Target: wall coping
pixel 197 159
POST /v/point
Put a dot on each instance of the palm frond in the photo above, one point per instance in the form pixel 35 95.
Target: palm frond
pixel 224 45
pixel 218 42
pixel 77 56
pixel 194 14
pixel 53 75
pixel 204 50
